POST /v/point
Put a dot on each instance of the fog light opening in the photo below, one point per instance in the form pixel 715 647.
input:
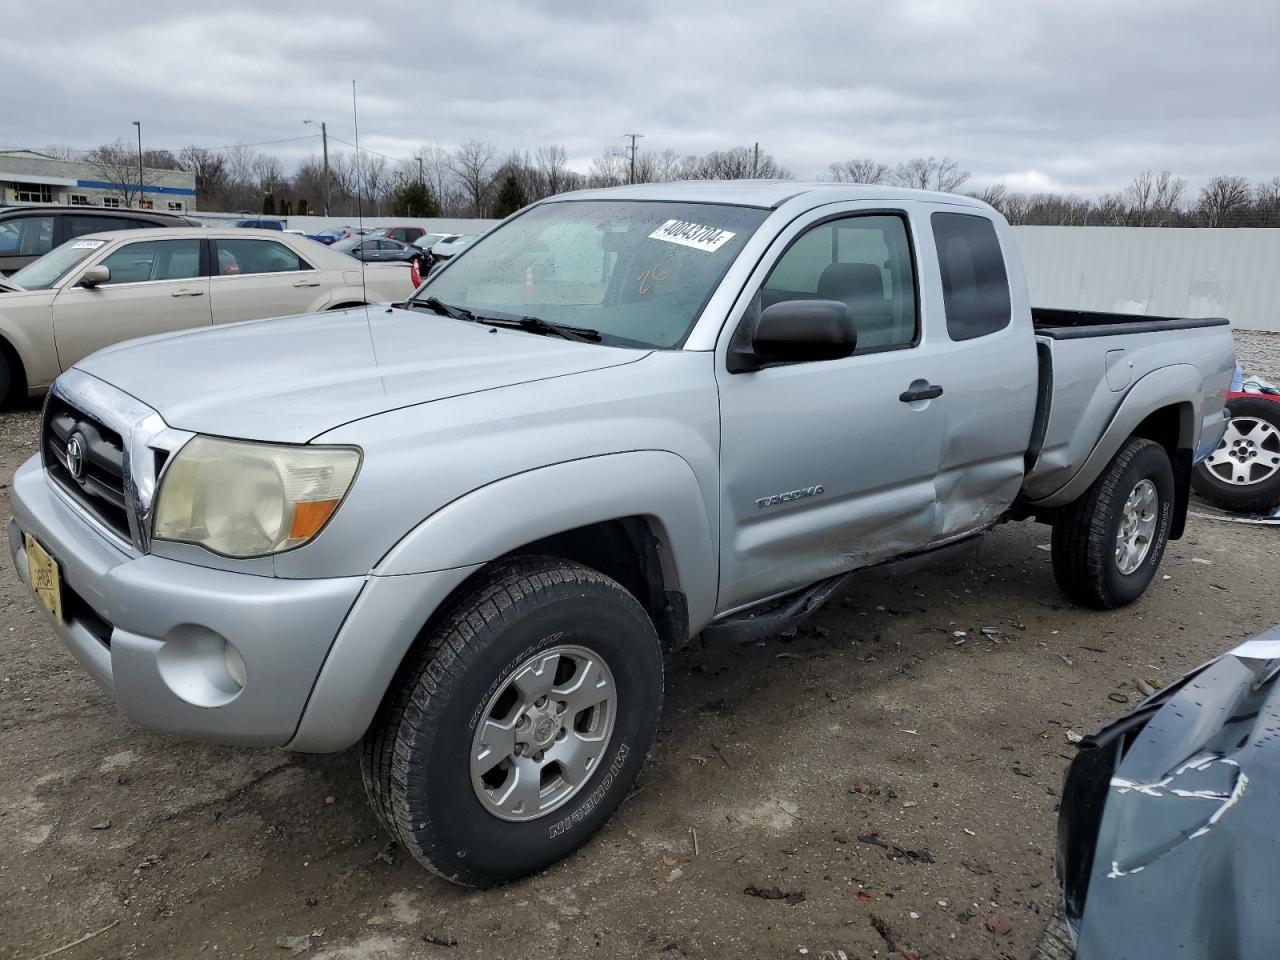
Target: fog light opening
pixel 235 664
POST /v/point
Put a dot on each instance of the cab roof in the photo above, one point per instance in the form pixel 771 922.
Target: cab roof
pixel 764 194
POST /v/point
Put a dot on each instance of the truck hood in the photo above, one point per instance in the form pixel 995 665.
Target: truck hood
pixel 294 378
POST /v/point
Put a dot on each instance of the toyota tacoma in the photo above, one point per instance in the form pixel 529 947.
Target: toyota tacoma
pixel 462 530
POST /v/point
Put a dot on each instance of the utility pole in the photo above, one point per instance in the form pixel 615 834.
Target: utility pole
pixel 755 159
pixel 421 180
pixel 633 137
pixel 324 139
pixel 142 190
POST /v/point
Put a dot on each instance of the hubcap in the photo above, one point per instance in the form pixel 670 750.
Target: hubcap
pixel 543 733
pixel 1137 525
pixel 1249 452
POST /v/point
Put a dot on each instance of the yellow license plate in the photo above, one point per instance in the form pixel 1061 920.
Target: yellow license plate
pixel 44 576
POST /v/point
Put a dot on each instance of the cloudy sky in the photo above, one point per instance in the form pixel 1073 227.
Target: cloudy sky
pixel 1040 94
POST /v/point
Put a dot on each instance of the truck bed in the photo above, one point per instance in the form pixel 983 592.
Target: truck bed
pixel 1076 324
pixel 1090 362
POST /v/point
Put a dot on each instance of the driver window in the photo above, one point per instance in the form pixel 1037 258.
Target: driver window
pixel 154 260
pixel 863 261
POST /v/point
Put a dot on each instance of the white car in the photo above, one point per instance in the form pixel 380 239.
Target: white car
pixel 97 290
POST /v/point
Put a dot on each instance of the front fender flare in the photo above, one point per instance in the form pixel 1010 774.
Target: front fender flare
pixel 501 516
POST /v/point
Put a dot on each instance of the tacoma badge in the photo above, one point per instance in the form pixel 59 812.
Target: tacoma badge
pixel 789 496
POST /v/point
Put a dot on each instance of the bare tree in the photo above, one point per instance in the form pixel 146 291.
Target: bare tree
pixel 667 166
pixel 308 183
pixel 268 174
pixel 472 163
pixel 860 171
pixel 1139 196
pixel 997 195
pixel 736 163
pixel 117 164
pixel 1153 199
pixel 1168 198
pixel 160 159
pixel 343 173
pixel 610 169
pixel 553 164
pixel 1223 201
pixel 210 172
pixel 375 180
pixel 61 152
pixel 1266 203
pixel 930 173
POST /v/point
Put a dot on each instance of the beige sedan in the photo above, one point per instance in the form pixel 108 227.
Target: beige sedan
pixel 97 290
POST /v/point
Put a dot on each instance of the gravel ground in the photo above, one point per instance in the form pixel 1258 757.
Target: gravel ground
pixel 891 719
pixel 1260 353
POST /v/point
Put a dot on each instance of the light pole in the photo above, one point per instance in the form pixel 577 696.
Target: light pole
pixel 142 190
pixel 633 137
pixel 422 183
pixel 324 139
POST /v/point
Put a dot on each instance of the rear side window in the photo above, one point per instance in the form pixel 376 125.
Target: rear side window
pixel 257 256
pixel 975 287
pixel 26 236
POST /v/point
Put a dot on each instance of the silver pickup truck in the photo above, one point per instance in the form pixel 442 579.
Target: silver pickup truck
pixel 464 529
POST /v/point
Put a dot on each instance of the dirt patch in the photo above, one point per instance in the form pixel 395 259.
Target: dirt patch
pixel 931 713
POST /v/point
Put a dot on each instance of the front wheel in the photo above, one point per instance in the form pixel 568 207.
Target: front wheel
pixel 1109 542
pixel 520 725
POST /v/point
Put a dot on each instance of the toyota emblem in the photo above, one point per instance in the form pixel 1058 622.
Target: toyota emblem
pixel 75 456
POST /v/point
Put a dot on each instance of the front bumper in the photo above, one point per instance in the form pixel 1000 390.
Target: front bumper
pixel 153 631
pixel 318 655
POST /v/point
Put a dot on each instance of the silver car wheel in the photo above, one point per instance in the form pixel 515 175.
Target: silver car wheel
pixel 1137 524
pixel 1249 452
pixel 541 736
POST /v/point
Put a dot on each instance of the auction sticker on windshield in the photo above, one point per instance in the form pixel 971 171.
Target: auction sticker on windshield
pixel 87 244
pixel 694 235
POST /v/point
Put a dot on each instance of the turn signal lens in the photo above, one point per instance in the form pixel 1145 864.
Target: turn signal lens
pixel 309 516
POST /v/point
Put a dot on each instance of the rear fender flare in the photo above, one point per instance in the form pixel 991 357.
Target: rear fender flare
pixel 1175 385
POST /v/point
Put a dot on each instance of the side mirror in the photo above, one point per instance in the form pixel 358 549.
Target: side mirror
pixel 796 331
pixel 95 275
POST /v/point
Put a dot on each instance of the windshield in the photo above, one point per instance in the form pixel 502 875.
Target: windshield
pixel 638 272
pixel 347 245
pixel 55 264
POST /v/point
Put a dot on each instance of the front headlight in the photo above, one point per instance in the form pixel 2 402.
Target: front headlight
pixel 244 499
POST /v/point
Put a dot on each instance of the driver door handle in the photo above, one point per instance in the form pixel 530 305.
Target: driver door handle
pixel 931 392
pixel 187 292
pixel 306 283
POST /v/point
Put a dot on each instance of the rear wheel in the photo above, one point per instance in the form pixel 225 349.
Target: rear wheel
pixel 1243 473
pixel 520 725
pixel 1108 544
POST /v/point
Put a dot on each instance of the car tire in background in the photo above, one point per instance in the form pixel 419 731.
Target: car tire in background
pixel 1108 544
pixel 519 724
pixel 6 380
pixel 1243 473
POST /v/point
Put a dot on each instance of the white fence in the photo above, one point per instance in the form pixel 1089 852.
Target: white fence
pixel 1157 271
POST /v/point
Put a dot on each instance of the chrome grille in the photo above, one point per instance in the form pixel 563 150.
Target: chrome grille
pixel 87 460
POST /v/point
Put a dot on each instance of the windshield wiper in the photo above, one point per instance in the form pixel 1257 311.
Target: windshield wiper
pixel 542 327
pixel 439 306
pixel 531 324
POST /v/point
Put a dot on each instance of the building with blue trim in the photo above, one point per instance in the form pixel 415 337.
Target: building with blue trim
pixel 28 177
